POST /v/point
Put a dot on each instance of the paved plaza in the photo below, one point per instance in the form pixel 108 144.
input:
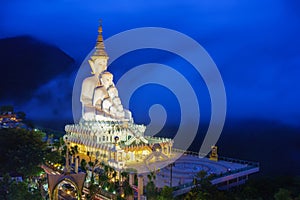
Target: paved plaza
pixel 187 166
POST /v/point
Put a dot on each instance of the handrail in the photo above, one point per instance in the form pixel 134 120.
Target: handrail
pixel 250 165
pixel 202 155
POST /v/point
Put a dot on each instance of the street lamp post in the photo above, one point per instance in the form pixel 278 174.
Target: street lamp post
pixel 171 173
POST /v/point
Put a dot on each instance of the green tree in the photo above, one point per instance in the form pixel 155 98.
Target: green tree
pixel 166 193
pixel 93 191
pixel 203 189
pixel 151 190
pixel 74 151
pixel 196 194
pixel 203 180
pixel 127 189
pixel 83 164
pixel 93 165
pixel 58 144
pixel 21 151
pixel 282 194
pixel 54 156
pixel 248 192
pixel 12 190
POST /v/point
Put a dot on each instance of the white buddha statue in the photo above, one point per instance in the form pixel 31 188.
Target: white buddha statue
pixel 99 96
pixel 89 87
pixel 115 110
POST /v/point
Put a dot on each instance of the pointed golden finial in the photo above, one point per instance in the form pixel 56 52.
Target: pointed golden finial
pixel 100 26
pixel 100 48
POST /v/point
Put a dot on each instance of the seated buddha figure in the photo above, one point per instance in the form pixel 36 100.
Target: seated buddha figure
pixel 99 96
pixel 107 81
pixel 89 85
pixel 117 109
pixel 117 105
pixel 101 100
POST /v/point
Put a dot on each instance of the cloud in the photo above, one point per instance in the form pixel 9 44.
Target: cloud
pixel 51 101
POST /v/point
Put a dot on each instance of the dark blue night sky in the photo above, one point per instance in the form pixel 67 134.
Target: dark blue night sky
pixel 255 45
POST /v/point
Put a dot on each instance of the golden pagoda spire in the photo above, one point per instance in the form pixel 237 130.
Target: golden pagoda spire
pixel 100 48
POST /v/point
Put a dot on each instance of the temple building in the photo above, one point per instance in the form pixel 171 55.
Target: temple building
pixel 107 131
pixel 11 120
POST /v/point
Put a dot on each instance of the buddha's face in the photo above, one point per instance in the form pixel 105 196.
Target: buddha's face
pixel 107 79
pixel 100 65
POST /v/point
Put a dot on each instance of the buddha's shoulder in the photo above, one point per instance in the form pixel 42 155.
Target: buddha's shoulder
pixel 91 79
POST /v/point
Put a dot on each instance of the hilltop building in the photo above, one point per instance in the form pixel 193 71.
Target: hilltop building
pixel 106 130
pixel 11 120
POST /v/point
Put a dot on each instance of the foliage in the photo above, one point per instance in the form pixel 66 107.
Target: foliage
pixel 92 165
pixel 258 188
pixel 93 190
pixel 83 164
pixel 203 189
pixel 58 144
pixel 74 151
pixel 151 190
pixel 54 156
pixel 128 191
pixel 55 133
pixel 12 190
pixel 197 194
pixel 282 194
pixel 166 193
pixel 21 151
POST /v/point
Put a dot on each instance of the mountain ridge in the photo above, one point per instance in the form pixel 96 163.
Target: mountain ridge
pixel 27 63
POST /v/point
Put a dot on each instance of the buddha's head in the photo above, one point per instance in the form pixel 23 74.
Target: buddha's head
pixel 100 65
pixel 107 79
